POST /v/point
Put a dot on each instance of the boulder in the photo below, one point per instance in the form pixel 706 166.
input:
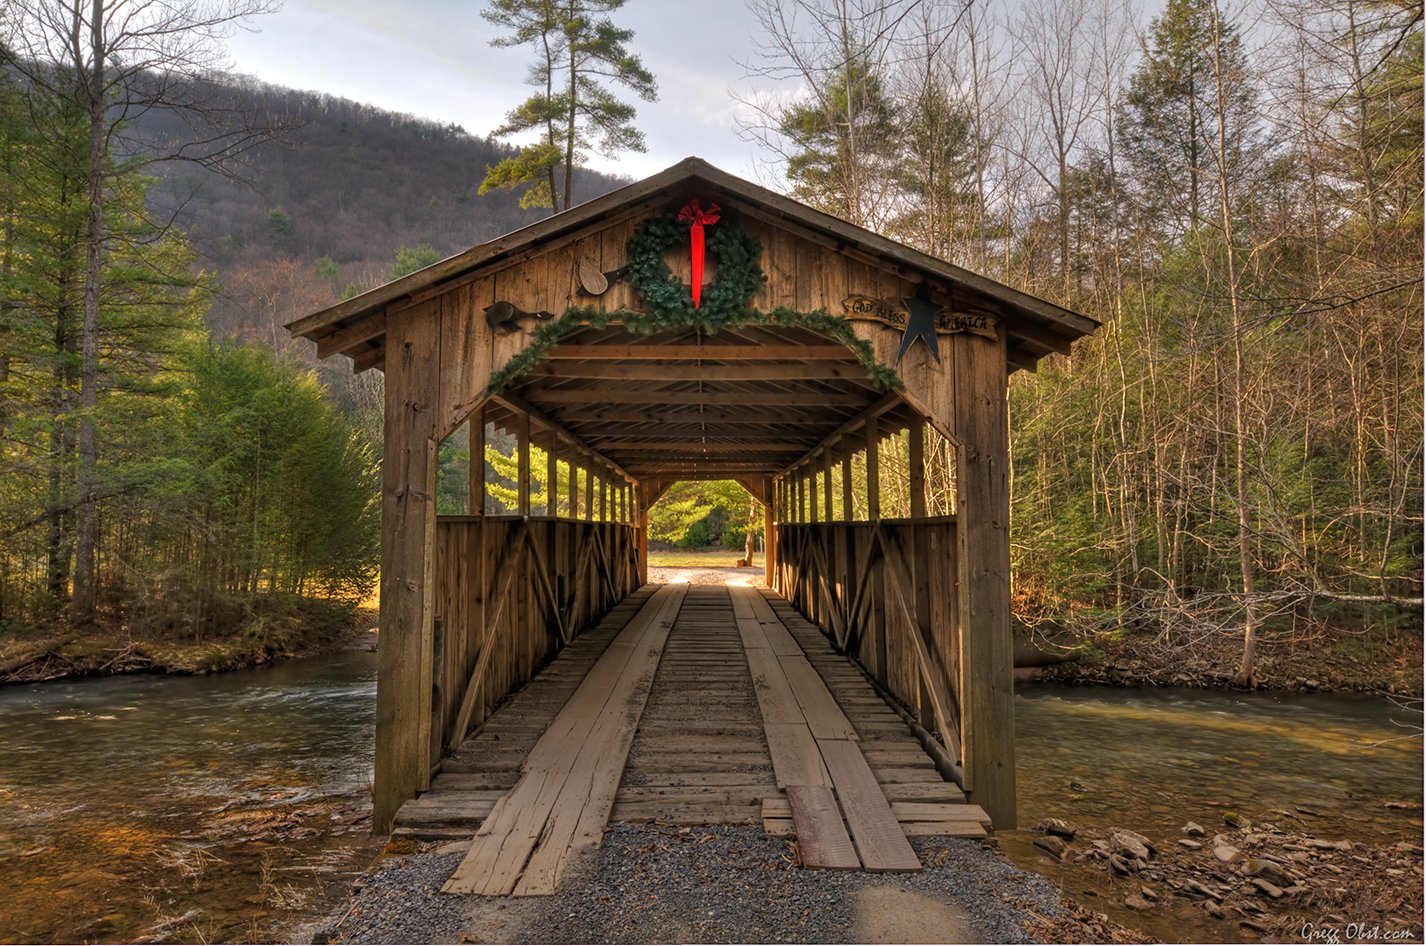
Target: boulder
pixel 1129 843
pixel 1058 827
pixel 1226 853
pixel 1052 846
pixel 1268 870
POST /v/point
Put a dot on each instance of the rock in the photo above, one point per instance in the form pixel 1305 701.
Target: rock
pixel 1057 827
pixel 1272 890
pixel 1193 830
pixel 1119 865
pixel 1214 909
pixel 1148 893
pixel 1234 820
pixel 1191 845
pixel 1136 902
pixel 1226 853
pixel 1078 787
pixel 1269 870
pixel 1052 846
pixel 1294 890
pixel 1319 845
pixel 1127 842
pixel 1252 926
pixel 1100 845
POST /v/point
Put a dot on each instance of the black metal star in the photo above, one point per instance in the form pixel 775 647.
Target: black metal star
pixel 921 315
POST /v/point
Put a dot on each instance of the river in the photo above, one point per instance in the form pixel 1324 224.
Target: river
pixel 192 809
pixel 223 808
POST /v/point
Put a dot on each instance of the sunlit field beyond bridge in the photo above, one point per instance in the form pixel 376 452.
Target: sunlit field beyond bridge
pixel 718 567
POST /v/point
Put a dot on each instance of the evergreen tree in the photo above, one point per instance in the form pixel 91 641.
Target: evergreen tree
pixel 578 46
pixel 845 143
pixel 1169 123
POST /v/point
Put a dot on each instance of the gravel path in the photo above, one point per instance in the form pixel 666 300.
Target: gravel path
pixel 653 883
pixel 708 575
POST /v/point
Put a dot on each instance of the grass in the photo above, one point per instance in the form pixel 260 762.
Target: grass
pixel 691 558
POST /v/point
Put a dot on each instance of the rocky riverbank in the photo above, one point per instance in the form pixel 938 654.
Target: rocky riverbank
pixel 735 884
pixel 299 628
pixel 1269 881
pixel 1381 660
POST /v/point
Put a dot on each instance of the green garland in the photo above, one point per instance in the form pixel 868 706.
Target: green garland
pixel 669 304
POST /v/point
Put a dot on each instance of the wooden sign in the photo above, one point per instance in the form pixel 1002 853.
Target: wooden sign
pixel 894 313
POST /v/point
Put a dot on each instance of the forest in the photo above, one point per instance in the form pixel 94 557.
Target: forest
pixel 1235 193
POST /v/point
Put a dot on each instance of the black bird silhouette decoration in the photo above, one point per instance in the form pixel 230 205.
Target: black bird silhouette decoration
pixel 921 315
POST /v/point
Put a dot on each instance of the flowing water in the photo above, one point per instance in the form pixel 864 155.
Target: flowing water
pixel 205 809
pixel 194 809
pixel 1153 759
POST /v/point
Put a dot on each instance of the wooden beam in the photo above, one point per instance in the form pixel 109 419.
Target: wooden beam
pixel 476 506
pixel 749 446
pixel 362 330
pixel 680 371
pixel 769 532
pixel 522 439
pixel 552 500
pixel 873 469
pixel 523 407
pixel 827 490
pixel 985 662
pixel 660 352
pixel 366 360
pixel 847 508
pixel 883 404
pixel 705 415
pixel 605 395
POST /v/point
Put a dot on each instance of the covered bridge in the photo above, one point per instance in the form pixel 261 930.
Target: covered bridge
pixel 855 387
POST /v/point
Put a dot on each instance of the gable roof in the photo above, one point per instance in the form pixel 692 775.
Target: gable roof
pixel 351 326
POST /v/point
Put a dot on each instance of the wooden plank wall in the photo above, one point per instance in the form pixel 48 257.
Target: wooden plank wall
pixel 854 580
pixel 557 578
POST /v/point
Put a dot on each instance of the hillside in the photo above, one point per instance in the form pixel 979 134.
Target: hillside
pixel 321 212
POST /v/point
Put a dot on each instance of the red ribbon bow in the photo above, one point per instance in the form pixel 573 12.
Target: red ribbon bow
pixel 698 217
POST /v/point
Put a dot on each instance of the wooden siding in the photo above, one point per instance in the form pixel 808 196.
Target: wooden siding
pixel 515 591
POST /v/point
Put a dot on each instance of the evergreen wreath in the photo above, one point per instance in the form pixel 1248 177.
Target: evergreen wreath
pixel 668 304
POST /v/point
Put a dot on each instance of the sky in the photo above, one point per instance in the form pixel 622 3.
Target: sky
pixel 433 59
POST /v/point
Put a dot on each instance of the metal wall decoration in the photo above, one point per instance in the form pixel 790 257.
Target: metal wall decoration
pixel 505 316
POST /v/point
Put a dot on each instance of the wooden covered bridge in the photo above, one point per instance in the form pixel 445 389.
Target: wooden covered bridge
pixel 533 685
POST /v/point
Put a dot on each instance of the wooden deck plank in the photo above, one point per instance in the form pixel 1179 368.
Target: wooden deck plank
pixel 824 717
pixel 880 842
pixel 508 837
pixel 796 759
pixel 822 839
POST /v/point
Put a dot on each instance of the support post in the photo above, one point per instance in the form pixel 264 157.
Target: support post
pixel 476 504
pixel 408 513
pixel 921 555
pixel 848 510
pixel 769 530
pixel 522 439
pixel 827 487
pixel 982 530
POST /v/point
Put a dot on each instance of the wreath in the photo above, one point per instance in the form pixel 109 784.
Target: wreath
pixel 669 305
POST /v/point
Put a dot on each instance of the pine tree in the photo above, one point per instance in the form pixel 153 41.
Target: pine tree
pixel 572 110
pixel 1169 123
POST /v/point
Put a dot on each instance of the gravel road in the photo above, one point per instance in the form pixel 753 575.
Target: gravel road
pixel 736 884
pixel 707 575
